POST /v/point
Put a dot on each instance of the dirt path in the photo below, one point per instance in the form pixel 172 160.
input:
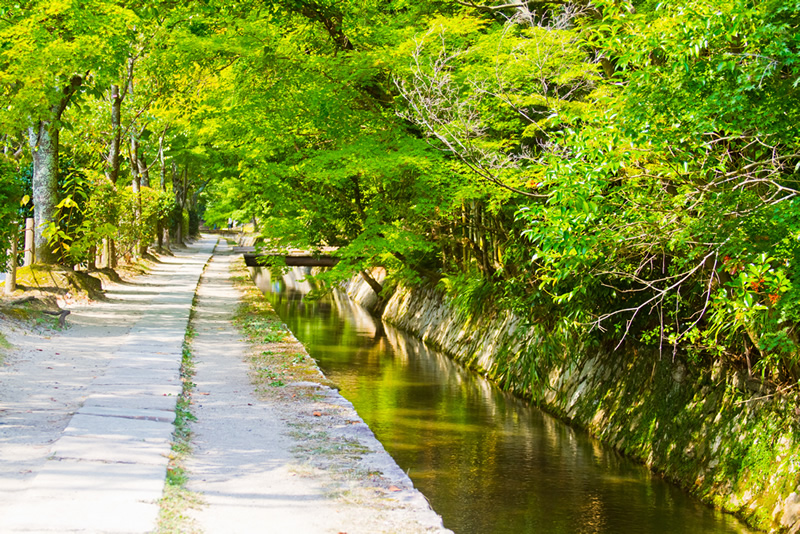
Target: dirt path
pixel 243 464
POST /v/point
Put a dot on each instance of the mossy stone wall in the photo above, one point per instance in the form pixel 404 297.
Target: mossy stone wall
pixel 721 435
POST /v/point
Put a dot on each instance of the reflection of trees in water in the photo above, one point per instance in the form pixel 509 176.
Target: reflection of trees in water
pixel 487 461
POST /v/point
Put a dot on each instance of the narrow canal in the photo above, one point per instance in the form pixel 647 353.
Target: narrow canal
pixel 487 462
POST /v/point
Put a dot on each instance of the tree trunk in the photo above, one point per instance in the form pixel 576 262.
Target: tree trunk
pixel 162 237
pixel 113 161
pixel 91 261
pixel 43 140
pixel 163 224
pixel 376 287
pixel 136 183
pixel 162 161
pixel 44 148
pixel 144 172
pixel 114 157
pixel 185 186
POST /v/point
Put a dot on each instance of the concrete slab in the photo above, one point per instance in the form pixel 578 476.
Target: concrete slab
pixel 143 359
pixel 98 449
pixel 159 390
pixel 151 402
pixel 116 428
pixel 163 416
pixel 173 344
pixel 157 364
pixel 132 376
pixel 162 353
pixel 80 496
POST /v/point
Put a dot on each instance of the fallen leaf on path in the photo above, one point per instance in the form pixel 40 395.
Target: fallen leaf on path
pixel 394 488
pixel 317 414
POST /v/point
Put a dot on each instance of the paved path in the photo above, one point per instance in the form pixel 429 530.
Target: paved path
pixel 105 471
pixel 86 420
pixel 242 462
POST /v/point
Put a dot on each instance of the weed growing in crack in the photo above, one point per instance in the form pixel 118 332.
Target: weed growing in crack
pixel 177 499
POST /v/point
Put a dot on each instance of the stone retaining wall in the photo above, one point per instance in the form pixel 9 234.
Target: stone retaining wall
pixel 711 429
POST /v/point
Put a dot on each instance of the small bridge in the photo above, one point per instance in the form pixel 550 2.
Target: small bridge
pixel 295 258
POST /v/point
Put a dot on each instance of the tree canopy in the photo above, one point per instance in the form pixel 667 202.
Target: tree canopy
pixel 616 172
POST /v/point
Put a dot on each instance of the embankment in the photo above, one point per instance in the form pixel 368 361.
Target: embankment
pixel 720 434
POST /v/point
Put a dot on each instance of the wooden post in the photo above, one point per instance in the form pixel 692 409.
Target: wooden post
pixel 30 252
pixel 11 275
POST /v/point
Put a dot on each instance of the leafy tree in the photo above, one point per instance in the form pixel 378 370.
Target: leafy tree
pixel 673 207
pixel 54 53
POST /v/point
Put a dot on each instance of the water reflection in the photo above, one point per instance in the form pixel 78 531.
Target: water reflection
pixel 487 462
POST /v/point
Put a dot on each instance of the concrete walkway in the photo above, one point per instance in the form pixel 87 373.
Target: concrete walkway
pixel 242 461
pixel 242 464
pixel 105 472
pixel 86 418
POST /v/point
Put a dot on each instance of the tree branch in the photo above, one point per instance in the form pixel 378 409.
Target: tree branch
pixel 524 3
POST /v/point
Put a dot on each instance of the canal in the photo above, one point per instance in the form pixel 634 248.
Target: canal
pixel 487 461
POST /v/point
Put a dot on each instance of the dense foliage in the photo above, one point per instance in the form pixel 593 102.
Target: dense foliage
pixel 617 172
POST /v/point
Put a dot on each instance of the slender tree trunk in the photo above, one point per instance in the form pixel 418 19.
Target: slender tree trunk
pixel 113 161
pixel 162 160
pixel 43 140
pixel 144 172
pixel 163 224
pixel 136 183
pixel 185 186
pixel 92 260
pixel 144 179
pixel 184 197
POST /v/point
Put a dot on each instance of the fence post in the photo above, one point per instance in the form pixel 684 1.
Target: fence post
pixel 29 246
pixel 11 275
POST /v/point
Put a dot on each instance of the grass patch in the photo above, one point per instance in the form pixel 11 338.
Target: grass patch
pixel 276 358
pixel 175 502
pixel 312 444
pixel 4 346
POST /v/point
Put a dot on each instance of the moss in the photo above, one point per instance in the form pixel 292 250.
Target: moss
pixel 57 280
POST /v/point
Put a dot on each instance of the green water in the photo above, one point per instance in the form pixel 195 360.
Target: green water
pixel 487 462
